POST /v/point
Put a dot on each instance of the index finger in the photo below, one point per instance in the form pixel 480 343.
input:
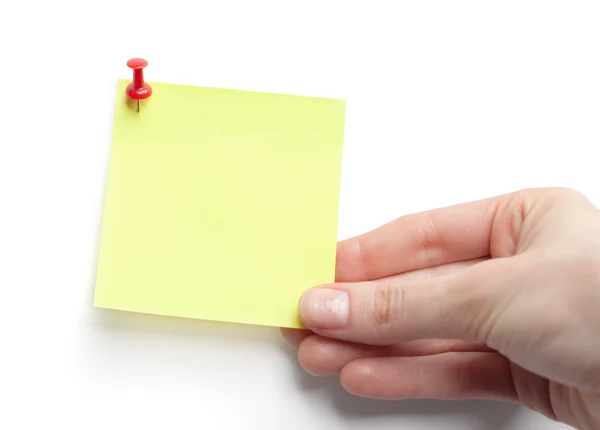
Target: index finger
pixel 428 239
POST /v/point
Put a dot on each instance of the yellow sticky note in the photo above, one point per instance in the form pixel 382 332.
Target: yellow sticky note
pixel 220 204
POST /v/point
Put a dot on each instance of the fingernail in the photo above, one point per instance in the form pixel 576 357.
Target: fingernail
pixel 324 308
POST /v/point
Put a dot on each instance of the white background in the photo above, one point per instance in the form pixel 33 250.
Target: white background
pixel 448 101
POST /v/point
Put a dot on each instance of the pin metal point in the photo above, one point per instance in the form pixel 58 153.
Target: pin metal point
pixel 138 89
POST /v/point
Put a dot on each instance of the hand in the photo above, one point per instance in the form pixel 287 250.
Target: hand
pixel 494 299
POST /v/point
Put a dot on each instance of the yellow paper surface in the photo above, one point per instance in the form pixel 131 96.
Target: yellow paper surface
pixel 220 204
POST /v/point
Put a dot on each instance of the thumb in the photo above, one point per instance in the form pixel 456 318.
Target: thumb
pixel 464 305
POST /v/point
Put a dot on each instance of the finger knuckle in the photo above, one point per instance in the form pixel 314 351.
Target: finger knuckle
pixel 387 305
pixel 430 240
pixel 567 193
pixel 556 194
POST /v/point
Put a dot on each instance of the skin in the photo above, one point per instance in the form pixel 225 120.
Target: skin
pixel 494 299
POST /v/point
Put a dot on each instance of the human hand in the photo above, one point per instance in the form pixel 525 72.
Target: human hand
pixel 494 299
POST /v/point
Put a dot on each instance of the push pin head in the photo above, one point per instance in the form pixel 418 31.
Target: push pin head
pixel 138 89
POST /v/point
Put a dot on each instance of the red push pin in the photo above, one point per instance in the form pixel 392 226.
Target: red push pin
pixel 138 89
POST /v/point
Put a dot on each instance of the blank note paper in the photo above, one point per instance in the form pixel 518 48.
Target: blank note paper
pixel 220 204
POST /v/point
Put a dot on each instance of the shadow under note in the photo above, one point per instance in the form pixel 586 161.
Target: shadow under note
pixel 146 324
